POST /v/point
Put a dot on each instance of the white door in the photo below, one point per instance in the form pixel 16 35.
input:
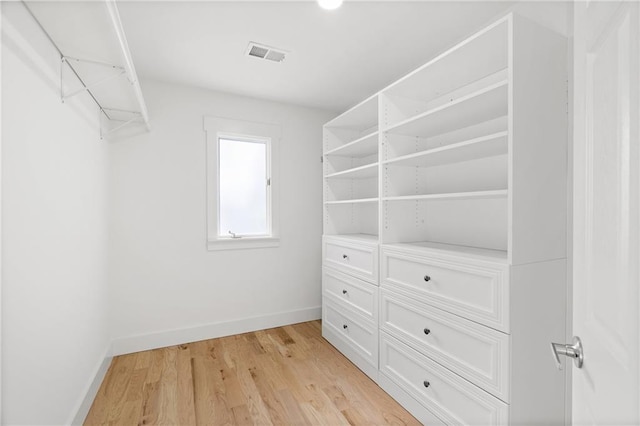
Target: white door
pixel 606 391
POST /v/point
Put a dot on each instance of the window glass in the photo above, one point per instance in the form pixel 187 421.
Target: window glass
pixel 243 196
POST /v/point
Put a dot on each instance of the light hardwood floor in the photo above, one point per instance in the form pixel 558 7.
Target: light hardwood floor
pixel 282 376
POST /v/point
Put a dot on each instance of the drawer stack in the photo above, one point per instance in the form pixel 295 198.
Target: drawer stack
pixel 350 299
pixel 441 314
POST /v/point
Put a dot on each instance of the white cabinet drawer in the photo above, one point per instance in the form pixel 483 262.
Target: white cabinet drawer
pixel 448 396
pixel 478 353
pixel 361 336
pixel 359 260
pixel 352 293
pixel 471 288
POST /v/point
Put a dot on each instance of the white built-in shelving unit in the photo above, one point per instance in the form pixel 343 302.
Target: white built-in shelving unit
pixel 351 172
pixel 445 230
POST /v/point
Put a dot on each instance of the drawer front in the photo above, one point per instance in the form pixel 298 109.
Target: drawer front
pixel 362 336
pixel 352 293
pixel 448 396
pixel 470 288
pixel 358 260
pixel 478 353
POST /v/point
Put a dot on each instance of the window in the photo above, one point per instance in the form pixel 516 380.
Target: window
pixel 243 180
pixel 241 187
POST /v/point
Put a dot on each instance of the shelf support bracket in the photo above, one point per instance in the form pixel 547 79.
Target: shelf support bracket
pixel 120 71
pixel 104 132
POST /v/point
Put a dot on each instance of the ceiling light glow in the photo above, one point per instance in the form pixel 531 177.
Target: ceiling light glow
pixel 330 4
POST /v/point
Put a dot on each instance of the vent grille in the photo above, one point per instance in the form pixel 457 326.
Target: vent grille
pixel 262 51
pixel 258 52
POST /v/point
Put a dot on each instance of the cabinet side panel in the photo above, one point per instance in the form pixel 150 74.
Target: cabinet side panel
pixel 538 145
pixel 538 304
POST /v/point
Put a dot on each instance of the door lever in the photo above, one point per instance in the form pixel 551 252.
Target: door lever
pixel 574 351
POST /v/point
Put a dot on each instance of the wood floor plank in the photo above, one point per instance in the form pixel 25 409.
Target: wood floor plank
pixel 168 413
pixel 203 403
pixel 136 384
pixel 257 409
pixel 117 387
pixel 150 403
pixel 143 359
pixel 156 362
pixel 241 416
pixel 234 395
pixel 186 406
pixel 281 376
pixel 295 415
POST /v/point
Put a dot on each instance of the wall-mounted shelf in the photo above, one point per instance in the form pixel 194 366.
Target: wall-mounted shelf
pixel 352 201
pixel 94 59
pixel 362 147
pixel 485 146
pixel 361 172
pixel 502 193
pixel 482 105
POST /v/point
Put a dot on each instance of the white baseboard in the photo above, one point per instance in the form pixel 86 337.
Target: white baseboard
pixel 126 345
pixel 85 404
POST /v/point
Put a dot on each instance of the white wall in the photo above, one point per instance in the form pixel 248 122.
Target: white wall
pixel 54 242
pixel 165 286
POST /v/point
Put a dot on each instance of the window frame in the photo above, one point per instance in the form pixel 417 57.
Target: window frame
pixel 217 128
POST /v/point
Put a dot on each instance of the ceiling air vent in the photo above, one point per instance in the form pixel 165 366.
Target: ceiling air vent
pixel 262 51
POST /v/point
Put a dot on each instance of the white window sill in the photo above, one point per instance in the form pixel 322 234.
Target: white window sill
pixel 242 243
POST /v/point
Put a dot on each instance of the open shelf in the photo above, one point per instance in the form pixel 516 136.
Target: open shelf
pixel 362 116
pixel 362 147
pixel 452 249
pixel 352 201
pixel 477 57
pixel 502 193
pixel 361 172
pixel 353 133
pixel 95 59
pixel 482 105
pixel 485 146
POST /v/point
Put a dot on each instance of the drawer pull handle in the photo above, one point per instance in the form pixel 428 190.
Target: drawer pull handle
pixel 344 326
pixel 426 384
pixel 427 331
pixel 427 278
pixel 344 256
pixel 344 291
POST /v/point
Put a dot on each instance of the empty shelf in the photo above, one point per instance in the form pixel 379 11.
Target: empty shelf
pixel 362 147
pixel 361 172
pixel 353 201
pixel 501 193
pixel 486 146
pixel 482 105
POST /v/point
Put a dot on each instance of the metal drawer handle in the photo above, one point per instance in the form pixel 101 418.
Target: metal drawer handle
pixel 426 384
pixel 344 326
pixel 427 278
pixel 344 291
pixel 427 331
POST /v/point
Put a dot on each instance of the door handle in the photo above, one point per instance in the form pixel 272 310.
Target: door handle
pixel 574 351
